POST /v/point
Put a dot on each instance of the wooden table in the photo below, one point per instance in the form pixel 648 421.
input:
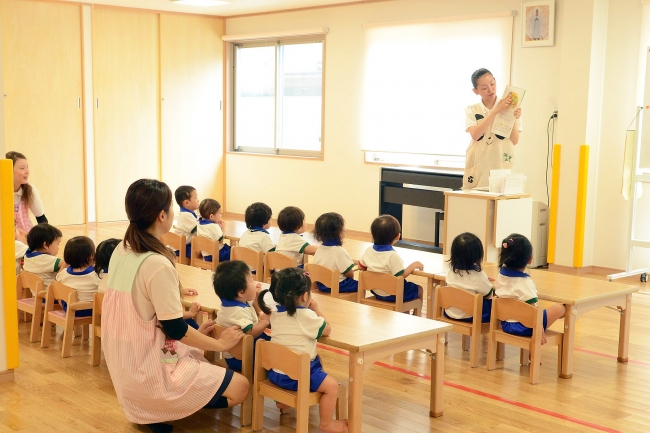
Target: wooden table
pixel 368 333
pixel 579 295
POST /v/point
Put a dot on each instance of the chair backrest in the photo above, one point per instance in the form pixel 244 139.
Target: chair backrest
pixel 326 276
pixel 238 350
pixel 276 261
pixel 448 296
pixel 514 309
pixel 201 243
pixel 30 283
pixel 272 355
pixel 98 300
pixel 177 242
pixel 254 259
pixel 62 292
pixel 378 280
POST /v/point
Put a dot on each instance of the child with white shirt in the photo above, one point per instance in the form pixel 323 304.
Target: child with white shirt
pixel 513 282
pixel 381 257
pixel 291 221
pixel 330 230
pixel 79 253
pixel 466 273
pixel 258 221
pixel 103 258
pixel 186 221
pixel 44 241
pixel 211 226
pixel 297 324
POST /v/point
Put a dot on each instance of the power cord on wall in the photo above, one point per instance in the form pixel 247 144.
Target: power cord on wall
pixel 550 139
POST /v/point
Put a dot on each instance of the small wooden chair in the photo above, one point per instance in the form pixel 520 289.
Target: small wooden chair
pixel 98 300
pixel 176 242
pixel 274 261
pixel 329 278
pixel 530 316
pixel 244 352
pixel 390 284
pixel 201 243
pixel 27 284
pixel 269 355
pixel 254 259
pixel 448 296
pixel 62 318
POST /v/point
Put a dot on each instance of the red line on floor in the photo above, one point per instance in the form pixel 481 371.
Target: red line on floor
pixel 486 394
pixel 605 355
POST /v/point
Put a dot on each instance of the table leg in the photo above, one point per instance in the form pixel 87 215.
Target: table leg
pixel 430 295
pixel 624 329
pixel 437 378
pixel 567 341
pixel 355 393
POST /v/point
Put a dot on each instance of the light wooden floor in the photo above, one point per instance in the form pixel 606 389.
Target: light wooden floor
pixel 52 394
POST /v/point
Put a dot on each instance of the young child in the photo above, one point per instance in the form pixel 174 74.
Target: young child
pixel 466 273
pixel 381 257
pixel 20 247
pixel 44 241
pixel 211 226
pixel 487 151
pixel 79 253
pixel 258 220
pixel 186 222
pixel 329 229
pixel 102 259
pixel 234 284
pixel 291 221
pixel 297 324
pixel 513 282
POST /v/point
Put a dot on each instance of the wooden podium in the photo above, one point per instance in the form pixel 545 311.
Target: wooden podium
pixel 490 217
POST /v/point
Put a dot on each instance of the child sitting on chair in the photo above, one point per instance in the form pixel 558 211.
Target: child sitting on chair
pixel 381 257
pixel 44 241
pixel 79 253
pixel 466 273
pixel 258 221
pixel 291 221
pixel 211 226
pixel 513 282
pixel 234 284
pixel 186 221
pixel 330 230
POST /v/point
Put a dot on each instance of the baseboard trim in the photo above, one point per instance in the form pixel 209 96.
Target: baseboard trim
pixel 7 376
pixel 570 270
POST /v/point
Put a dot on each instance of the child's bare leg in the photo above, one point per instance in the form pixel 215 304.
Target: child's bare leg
pixel 330 390
pixel 284 408
pixel 554 312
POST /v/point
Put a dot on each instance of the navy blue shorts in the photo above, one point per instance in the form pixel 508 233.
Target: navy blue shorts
pixel 410 293
pixel 516 328
pixel 78 313
pixel 192 323
pixel 348 285
pixel 224 254
pixel 316 377
pixel 188 251
pixel 485 317
pixel 235 364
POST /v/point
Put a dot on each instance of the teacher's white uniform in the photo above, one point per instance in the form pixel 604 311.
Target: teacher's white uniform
pixel 489 152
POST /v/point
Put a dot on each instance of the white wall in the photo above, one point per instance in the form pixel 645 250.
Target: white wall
pixel 590 71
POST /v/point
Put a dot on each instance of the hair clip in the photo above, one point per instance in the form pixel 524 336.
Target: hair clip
pixel 505 245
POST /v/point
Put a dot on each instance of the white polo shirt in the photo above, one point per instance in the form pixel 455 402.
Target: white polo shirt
pixel 298 332
pixel 470 281
pixel 384 259
pixel 517 285
pixel 85 282
pixel 233 312
pixel 292 245
pixel 43 265
pixel 211 230
pixel 257 239
pixel 186 223
pixel 334 257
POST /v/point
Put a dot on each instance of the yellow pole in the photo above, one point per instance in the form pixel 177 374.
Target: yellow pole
pixel 581 207
pixel 555 191
pixel 9 262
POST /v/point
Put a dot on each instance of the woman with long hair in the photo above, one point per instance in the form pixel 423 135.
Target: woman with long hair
pixel 26 196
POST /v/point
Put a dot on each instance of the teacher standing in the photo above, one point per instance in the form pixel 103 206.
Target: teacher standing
pixel 26 196
pixel 487 151
pixel 148 346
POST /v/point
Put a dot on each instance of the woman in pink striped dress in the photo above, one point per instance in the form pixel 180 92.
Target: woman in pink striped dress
pixel 146 342
pixel 26 196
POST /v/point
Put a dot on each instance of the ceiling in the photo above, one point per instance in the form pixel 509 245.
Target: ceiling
pixel 236 7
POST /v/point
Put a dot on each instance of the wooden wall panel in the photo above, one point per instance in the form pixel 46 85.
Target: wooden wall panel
pixel 41 61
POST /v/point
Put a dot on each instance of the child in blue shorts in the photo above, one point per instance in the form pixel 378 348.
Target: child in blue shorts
pixel 297 324
pixel 513 282
pixel 330 230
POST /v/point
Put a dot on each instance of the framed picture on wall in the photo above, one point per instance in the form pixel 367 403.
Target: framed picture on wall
pixel 538 23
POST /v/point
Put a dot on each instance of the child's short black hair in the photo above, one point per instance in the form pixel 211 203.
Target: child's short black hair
pixel 466 253
pixel 230 279
pixel 329 227
pixel 516 252
pixel 384 230
pixel 257 215
pixel 183 193
pixel 287 286
pixel 79 252
pixel 103 254
pixel 209 207
pixel 42 234
pixel 291 219
pixel 478 74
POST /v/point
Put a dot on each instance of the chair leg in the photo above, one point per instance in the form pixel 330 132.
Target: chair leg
pixel 446 338
pixel 247 408
pixel 97 349
pixel 77 331
pixel 258 411
pixel 46 333
pixel 67 335
pixel 524 357
pixel 474 348
pixel 465 344
pixel 36 321
pixel 559 358
pixel 342 403
pixel 534 365
pixel 302 417
pixel 501 351
pixel 492 352
pixel 85 332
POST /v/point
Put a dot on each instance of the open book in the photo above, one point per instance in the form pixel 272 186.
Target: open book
pixel 505 121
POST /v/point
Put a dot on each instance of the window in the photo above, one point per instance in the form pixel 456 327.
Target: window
pixel 277 97
pixel 415 97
